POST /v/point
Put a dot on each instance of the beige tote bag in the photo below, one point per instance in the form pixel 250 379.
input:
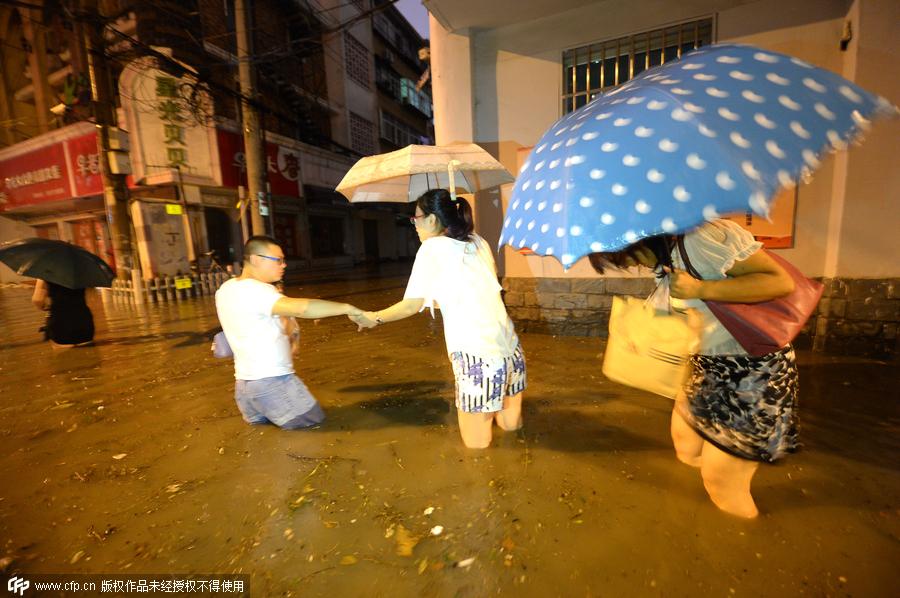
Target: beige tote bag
pixel 649 349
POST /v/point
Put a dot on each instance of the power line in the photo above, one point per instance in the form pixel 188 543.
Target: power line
pixel 178 69
pixel 20 4
pixel 172 65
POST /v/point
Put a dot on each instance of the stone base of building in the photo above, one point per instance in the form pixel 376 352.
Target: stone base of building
pixel 855 316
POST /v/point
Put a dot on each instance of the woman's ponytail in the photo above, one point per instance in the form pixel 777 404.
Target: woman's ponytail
pixel 455 216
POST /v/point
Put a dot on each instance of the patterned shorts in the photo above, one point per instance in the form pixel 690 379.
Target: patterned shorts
pixel 745 406
pixel 483 382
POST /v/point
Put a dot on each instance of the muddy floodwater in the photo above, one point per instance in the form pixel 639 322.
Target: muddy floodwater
pixel 130 457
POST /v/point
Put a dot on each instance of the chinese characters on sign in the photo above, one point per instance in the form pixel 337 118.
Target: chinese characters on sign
pixel 40 175
pixel 88 164
pixel 170 113
pixel 290 169
pixel 58 171
pixel 282 164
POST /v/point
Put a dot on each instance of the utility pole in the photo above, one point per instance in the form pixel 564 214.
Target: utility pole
pixel 186 219
pixel 254 151
pixel 115 192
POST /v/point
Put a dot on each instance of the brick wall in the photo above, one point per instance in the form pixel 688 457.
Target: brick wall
pixel 858 316
pixel 567 306
pixel 854 317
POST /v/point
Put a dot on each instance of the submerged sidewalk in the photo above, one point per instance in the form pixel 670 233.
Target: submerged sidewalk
pixel 130 457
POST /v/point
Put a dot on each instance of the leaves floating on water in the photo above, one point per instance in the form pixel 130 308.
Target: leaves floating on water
pixel 405 541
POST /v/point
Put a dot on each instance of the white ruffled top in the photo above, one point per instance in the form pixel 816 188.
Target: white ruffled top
pixel 713 249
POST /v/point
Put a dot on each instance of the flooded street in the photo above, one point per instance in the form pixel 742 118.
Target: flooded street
pixel 130 456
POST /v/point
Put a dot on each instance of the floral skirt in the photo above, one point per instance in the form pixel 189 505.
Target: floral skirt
pixel 744 405
pixel 482 383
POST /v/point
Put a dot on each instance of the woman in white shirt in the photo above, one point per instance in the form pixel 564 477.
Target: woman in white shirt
pixel 455 272
pixel 737 410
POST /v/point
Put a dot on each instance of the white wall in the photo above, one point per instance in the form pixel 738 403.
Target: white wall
pixel 515 85
pixel 817 42
pixel 451 85
pixel 868 243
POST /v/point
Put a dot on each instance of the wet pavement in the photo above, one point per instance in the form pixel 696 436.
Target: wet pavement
pixel 130 457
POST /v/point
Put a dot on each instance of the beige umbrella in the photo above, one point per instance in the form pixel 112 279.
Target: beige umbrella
pixel 403 175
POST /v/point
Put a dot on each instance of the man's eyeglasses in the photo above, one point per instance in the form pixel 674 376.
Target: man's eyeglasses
pixel 280 260
pixel 414 218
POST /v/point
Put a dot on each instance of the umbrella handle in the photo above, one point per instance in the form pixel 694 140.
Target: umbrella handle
pixel 451 179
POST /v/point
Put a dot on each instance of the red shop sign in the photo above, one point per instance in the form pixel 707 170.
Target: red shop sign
pixel 283 164
pixel 84 165
pixel 36 177
pixel 45 175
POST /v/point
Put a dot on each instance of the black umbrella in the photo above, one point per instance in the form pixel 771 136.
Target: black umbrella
pixel 57 262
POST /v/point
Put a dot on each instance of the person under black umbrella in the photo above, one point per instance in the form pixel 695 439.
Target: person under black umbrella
pixel 63 271
pixel 70 322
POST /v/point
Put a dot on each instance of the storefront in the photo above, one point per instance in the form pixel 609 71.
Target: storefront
pixel 189 172
pixel 284 203
pixel 50 187
pixel 174 158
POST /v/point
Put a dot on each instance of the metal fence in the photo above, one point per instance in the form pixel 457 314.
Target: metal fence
pixel 168 288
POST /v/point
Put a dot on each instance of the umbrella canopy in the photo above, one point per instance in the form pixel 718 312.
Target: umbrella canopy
pixel 57 262
pixel 403 175
pixel 722 130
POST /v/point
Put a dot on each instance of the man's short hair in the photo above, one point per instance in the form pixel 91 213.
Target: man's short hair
pixel 257 245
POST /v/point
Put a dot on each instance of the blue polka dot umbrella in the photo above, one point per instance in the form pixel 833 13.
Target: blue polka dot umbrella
pixel 720 131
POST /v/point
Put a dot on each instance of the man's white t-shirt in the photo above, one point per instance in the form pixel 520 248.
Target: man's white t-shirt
pixel 260 346
pixel 461 278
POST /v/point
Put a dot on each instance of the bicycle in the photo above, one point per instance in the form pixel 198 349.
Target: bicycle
pixel 208 264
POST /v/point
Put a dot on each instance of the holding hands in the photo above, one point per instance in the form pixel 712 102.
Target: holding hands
pixel 398 311
pixel 363 319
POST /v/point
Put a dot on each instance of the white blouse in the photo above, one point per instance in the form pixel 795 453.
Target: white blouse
pixel 713 249
pixel 460 278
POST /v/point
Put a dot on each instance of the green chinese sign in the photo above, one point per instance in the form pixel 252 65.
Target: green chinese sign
pixel 171 113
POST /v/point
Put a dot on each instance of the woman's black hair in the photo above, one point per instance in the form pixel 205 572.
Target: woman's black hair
pixel 660 245
pixel 454 216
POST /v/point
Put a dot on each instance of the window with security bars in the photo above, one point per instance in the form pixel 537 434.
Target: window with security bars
pixel 356 58
pixel 588 71
pixel 362 135
pixel 398 132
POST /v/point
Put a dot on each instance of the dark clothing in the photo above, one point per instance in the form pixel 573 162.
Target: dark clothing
pixel 70 321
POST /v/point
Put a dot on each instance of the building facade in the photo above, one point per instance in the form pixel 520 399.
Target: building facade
pixel 174 70
pixel 504 72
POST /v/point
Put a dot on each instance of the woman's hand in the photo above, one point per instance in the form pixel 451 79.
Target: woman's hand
pixel 684 286
pixel 364 320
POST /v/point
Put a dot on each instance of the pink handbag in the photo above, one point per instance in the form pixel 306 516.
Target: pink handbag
pixel 767 326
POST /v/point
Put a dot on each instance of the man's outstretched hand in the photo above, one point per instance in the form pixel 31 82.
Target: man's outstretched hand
pixel 363 320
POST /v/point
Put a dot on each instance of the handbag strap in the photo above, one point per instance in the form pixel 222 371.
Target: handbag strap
pixel 682 251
